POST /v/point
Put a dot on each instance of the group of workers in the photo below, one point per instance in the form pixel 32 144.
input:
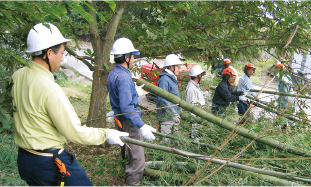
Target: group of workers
pixel 45 119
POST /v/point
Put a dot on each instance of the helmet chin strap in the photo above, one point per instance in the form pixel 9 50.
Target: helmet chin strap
pixel 47 60
pixel 128 62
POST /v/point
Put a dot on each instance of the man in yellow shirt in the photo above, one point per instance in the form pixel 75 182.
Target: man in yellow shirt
pixel 45 119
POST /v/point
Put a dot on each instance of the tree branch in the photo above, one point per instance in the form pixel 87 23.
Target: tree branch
pixel 223 49
pixel 71 52
pixel 85 57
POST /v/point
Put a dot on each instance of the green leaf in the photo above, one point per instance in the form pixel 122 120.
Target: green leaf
pixel 112 5
pixel 100 15
pixel 89 51
pixel 17 57
pixel 75 5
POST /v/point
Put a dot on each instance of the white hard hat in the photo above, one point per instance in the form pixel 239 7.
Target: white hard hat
pixel 196 70
pixel 171 60
pixel 123 46
pixel 42 36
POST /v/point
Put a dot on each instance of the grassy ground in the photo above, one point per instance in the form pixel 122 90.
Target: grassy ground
pixel 105 167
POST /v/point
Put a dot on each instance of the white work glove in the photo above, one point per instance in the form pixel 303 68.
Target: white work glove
pixel 242 98
pixel 110 116
pixel 114 137
pixel 176 119
pixel 141 86
pixel 247 93
pixel 146 132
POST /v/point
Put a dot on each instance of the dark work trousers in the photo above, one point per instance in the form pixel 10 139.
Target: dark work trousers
pixel 135 167
pixel 218 109
pixel 242 107
pixel 39 170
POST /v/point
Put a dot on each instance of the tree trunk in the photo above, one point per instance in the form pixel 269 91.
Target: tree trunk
pixel 102 66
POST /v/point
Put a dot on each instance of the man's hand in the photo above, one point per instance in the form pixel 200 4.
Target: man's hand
pixel 242 98
pixel 146 132
pixel 114 137
pixel 247 93
pixel 176 119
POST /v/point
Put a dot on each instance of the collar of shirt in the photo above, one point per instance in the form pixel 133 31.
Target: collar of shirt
pixel 123 68
pixel 194 83
pixel 46 72
pixel 170 72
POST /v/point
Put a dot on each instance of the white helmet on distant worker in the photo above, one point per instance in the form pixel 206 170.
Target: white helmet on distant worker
pixel 171 60
pixel 43 36
pixel 196 70
pixel 123 46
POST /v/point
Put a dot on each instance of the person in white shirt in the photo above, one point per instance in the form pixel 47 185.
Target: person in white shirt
pixel 245 85
pixel 194 93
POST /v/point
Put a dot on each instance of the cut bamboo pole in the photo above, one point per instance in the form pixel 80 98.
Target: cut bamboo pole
pixel 274 93
pixel 214 160
pixel 268 105
pixel 189 167
pixel 273 110
pixel 175 138
pixel 159 174
pixel 152 167
pixel 281 93
pixel 276 181
pixel 221 122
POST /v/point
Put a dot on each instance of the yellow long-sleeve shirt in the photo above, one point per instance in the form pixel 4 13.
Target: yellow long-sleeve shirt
pixel 44 117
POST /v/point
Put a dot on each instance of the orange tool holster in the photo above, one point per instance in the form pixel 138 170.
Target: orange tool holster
pixel 63 173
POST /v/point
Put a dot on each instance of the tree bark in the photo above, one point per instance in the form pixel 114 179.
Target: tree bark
pixel 102 66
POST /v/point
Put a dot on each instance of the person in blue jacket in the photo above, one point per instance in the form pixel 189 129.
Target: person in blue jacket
pixel 124 99
pixel 169 117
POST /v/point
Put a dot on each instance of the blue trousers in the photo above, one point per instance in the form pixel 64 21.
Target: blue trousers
pixel 218 109
pixel 242 107
pixel 42 171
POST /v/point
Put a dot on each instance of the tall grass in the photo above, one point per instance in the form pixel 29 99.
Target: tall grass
pixel 8 166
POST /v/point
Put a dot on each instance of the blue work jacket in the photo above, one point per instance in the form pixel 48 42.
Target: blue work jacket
pixel 123 95
pixel 168 83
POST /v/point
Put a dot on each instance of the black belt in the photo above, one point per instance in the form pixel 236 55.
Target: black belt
pixel 50 150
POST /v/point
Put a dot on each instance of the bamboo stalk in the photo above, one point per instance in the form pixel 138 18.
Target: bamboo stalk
pixel 159 174
pixel 281 93
pixel 151 168
pixel 277 109
pixel 275 93
pixel 189 167
pixel 175 138
pixel 214 160
pixel 221 122
pixel 273 110
pixel 276 181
